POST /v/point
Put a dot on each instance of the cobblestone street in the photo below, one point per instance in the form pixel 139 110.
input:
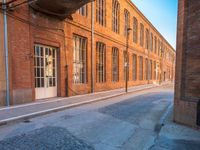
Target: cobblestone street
pixel 136 121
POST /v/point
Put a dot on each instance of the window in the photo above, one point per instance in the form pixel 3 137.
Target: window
pixel 79 60
pixel 134 67
pixel 146 69
pixel 115 16
pixel 158 47
pixel 141 35
pixel 135 30
pixel 155 71
pixel 151 42
pixel 100 62
pixel 150 69
pixel 83 10
pixel 126 63
pixel 115 64
pixel 155 44
pixel 161 49
pixel 141 68
pixel 101 12
pixel 126 22
pixel 147 39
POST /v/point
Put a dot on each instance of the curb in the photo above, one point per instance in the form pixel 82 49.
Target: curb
pixel 161 122
pixel 44 112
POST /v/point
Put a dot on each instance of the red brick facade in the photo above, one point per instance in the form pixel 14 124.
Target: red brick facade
pixel 28 27
pixel 2 64
pixel 187 90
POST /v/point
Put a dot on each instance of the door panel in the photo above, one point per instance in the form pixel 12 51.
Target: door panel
pixel 45 72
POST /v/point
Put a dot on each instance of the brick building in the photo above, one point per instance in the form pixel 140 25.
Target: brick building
pixel 86 52
pixel 187 89
pixel 2 64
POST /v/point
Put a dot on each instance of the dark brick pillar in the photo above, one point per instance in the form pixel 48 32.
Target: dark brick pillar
pixel 187 85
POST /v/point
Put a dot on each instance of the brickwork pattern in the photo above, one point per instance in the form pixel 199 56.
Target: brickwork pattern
pixel 2 64
pixel 28 27
pixel 187 64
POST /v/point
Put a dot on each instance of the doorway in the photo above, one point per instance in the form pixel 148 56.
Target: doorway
pixel 45 68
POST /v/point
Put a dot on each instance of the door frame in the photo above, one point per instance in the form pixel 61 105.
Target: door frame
pixel 57 68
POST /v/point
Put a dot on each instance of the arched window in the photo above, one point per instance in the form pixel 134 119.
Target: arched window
pixel 126 22
pixel 134 67
pixel 151 42
pixel 101 12
pixel 115 16
pixel 135 30
pixel 100 62
pixel 83 10
pixel 79 60
pixel 158 47
pixel 140 68
pixel 155 45
pixel 141 34
pixel 147 39
pixel 115 64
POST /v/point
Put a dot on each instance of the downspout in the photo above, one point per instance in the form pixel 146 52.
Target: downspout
pixel 6 53
pixel 92 47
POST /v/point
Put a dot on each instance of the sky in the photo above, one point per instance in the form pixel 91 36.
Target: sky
pixel 162 14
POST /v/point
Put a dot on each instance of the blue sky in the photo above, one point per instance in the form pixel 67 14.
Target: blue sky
pixel 162 14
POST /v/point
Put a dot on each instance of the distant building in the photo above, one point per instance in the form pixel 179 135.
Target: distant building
pixel 50 57
pixel 187 89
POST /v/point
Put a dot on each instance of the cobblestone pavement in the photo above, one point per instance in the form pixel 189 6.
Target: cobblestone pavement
pixel 126 122
pixel 46 138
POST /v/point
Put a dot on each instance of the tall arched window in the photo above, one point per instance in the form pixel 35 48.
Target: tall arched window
pixel 151 42
pixel 126 22
pixel 100 62
pixel 101 12
pixel 155 45
pixel 115 64
pixel 140 68
pixel 83 10
pixel 141 34
pixel 115 16
pixel 147 39
pixel 135 30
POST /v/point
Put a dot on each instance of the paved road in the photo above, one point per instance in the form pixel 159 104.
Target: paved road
pixel 128 122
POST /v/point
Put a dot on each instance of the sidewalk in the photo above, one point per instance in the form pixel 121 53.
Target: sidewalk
pixel 25 111
pixel 176 136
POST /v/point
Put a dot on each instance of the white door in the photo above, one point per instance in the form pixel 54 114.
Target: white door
pixel 45 72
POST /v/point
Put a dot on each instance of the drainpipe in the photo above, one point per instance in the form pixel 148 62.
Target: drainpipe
pixel 92 47
pixel 6 53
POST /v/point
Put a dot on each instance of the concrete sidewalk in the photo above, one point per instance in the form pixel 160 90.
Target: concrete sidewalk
pixel 174 136
pixel 26 111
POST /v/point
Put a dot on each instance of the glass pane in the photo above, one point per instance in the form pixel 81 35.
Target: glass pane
pixel 54 53
pixel 42 82
pixel 38 82
pixel 54 82
pixel 38 61
pixel 50 82
pixel 38 72
pixel 42 72
pixel 41 51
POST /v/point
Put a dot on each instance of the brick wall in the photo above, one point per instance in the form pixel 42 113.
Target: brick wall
pixel 2 64
pixel 187 89
pixel 28 27
pixel 81 25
